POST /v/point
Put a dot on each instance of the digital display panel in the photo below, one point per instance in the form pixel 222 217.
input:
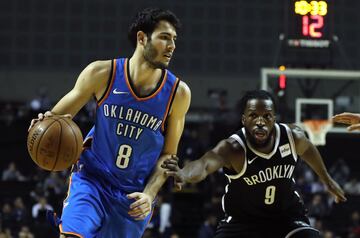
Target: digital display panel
pixel 309 23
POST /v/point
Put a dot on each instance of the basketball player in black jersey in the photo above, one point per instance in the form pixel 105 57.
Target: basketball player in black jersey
pixel 259 161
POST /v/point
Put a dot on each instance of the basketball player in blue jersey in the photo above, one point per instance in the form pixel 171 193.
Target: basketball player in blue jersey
pixel 348 118
pixel 139 120
pixel 259 161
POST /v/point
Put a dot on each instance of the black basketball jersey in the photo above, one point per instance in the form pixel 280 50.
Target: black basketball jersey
pixel 265 188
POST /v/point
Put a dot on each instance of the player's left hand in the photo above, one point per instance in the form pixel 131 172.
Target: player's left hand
pixel 335 190
pixel 173 170
pixel 172 164
pixel 141 208
pixel 352 119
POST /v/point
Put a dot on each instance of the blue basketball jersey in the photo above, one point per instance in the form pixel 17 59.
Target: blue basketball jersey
pixel 128 136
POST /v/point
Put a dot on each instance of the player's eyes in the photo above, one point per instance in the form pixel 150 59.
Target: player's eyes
pixel 164 37
pixel 168 38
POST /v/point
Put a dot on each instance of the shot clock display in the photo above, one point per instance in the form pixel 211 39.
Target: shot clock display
pixel 309 23
pixel 312 17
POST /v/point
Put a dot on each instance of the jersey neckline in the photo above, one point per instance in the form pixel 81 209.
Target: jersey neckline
pixel 131 87
pixel 261 154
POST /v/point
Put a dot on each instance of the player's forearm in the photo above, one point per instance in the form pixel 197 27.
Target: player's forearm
pixel 313 158
pixel 71 103
pixel 156 180
pixel 198 170
pixel 194 172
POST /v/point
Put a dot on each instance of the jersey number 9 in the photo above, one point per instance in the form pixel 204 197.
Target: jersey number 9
pixel 270 195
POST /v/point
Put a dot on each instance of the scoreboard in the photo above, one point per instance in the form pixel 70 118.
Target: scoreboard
pixel 309 24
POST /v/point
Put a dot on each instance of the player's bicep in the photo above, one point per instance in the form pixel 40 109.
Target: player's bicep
pixel 173 131
pixel 229 153
pixel 176 119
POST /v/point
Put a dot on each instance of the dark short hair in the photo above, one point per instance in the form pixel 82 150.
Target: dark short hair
pixel 255 94
pixel 146 21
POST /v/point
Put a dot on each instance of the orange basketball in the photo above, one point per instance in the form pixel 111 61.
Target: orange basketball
pixel 55 143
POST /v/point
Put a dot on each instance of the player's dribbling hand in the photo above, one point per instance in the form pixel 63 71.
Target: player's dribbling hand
pixel 335 190
pixel 141 208
pixel 41 117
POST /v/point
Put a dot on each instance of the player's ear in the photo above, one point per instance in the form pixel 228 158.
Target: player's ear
pixel 243 119
pixel 141 37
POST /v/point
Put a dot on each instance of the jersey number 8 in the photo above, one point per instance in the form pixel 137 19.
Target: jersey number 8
pixel 122 160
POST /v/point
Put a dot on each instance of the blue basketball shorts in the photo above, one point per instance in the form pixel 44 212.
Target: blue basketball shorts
pixel 93 211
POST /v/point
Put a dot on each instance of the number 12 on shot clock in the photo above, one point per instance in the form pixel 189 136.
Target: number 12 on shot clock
pixel 313 14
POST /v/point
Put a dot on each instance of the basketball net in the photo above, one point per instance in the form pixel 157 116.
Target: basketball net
pixel 317 129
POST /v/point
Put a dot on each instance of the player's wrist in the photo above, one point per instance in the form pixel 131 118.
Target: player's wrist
pixel 183 178
pixel 150 194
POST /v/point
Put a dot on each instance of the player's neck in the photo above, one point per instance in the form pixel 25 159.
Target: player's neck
pixel 143 78
pixel 141 73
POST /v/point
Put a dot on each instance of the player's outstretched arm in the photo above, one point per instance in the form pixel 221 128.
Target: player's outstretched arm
pixel 352 119
pixel 91 82
pixel 310 154
pixel 225 154
pixel 194 171
pixel 175 125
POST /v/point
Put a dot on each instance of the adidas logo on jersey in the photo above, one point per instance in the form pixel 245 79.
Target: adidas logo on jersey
pixel 285 150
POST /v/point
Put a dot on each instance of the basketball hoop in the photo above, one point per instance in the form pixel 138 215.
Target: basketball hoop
pixel 317 130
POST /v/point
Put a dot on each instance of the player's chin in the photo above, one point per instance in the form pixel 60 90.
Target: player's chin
pixel 166 61
pixel 260 140
pixel 161 65
pixel 165 64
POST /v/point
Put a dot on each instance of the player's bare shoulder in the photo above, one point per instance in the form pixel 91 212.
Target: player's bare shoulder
pixel 300 139
pixel 297 131
pixel 234 154
pixel 183 91
pixel 99 69
pixel 233 144
pixel 95 77
pixel 182 99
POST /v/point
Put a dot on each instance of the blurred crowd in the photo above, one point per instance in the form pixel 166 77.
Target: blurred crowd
pixel 24 215
pixel 12 112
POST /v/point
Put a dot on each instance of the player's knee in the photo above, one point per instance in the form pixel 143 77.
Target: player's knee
pixel 307 233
